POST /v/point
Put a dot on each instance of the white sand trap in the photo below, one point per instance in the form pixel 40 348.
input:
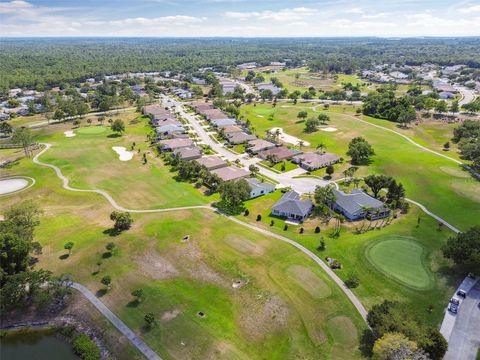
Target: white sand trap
pixel 123 154
pixel 288 138
pixel 69 133
pixel 260 116
pixel 8 186
pixel 329 129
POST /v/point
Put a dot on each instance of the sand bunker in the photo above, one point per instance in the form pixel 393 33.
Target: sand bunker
pixel 69 133
pixel 329 129
pixel 288 138
pixel 123 154
pixel 8 186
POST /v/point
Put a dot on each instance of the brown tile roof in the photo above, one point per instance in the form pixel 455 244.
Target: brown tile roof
pixel 239 137
pixel 211 162
pixel 189 153
pixel 316 160
pixel 259 145
pixel 213 114
pixel 281 152
pixel 155 110
pixel 173 144
pixel 230 173
pixel 232 129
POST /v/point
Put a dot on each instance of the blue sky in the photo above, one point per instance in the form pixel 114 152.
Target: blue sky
pixel 239 18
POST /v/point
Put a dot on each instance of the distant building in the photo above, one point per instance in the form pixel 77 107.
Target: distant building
pixel 247 66
pixel 280 152
pixel 257 145
pixel 290 206
pixel 269 86
pixel 231 173
pixel 354 206
pixel 211 162
pixel 173 144
pixel 189 153
pixel 221 123
pixel 239 137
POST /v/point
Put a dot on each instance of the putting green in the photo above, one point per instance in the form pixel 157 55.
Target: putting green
pixel 91 130
pixel 403 259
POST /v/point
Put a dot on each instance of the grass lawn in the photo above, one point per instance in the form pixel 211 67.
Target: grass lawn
pixel 415 273
pixel 285 308
pixel 278 166
pixel 438 183
pixel 301 79
pixel 88 160
pixel 349 78
pixel 401 258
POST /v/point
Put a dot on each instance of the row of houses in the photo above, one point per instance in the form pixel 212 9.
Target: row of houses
pixel 165 123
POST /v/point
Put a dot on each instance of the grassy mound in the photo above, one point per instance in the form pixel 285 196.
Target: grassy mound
pixel 403 259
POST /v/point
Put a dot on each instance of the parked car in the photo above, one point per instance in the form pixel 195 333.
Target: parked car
pixel 455 301
pixel 452 308
pixel 462 293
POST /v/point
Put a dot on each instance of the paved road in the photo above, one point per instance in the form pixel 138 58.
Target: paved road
pixel 119 324
pixel 468 95
pixel 465 338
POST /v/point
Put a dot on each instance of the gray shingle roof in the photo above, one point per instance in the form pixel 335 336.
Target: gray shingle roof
pixel 291 203
pixel 354 202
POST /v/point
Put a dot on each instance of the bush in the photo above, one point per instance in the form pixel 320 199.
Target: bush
pixel 86 348
pixel 272 223
pixel 301 230
pixel 246 213
pixel 259 217
pixel 285 228
pixel 352 280
pixel 317 229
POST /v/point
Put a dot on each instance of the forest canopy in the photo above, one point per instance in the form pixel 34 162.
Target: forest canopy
pixel 47 62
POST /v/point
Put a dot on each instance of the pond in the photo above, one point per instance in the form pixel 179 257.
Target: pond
pixel 38 345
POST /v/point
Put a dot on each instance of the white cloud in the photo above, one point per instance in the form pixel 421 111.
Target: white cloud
pixel 294 14
pixel 470 9
pixel 13 7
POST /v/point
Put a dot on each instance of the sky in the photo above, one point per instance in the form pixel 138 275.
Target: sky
pixel 239 18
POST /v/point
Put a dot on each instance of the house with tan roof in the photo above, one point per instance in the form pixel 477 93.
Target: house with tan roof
pixel 280 153
pixel 312 161
pixel 211 162
pixel 239 138
pixel 231 173
pixel 173 144
pixel 257 145
pixel 189 153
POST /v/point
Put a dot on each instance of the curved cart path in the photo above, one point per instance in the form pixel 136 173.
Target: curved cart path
pixel 119 324
pixel 355 301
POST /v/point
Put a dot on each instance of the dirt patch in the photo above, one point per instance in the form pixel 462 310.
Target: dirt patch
pixel 262 316
pixel 309 281
pixel 469 190
pixel 155 266
pixel 345 336
pixel 457 172
pixel 244 245
pixel 170 315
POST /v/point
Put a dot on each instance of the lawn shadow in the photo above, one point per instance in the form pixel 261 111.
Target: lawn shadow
pixel 133 304
pixel 367 340
pixel 64 256
pixel 106 255
pixel 112 232
pixel 113 136
pixel 101 293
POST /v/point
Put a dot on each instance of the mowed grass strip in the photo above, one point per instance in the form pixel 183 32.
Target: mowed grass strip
pixel 403 259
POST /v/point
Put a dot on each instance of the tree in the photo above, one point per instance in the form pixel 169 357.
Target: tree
pixel 324 196
pixel 441 106
pixel 233 194
pixel 377 183
pixel 352 280
pixel 106 280
pixel 149 320
pixel 5 128
pixel 391 345
pixel 464 250
pixel 396 192
pixel 302 115
pixel 86 348
pixel 446 146
pixel 253 169
pixel 407 116
pixel 330 170
pixel 110 246
pixel 360 151
pixel 118 126
pixel 454 107
pixel 69 246
pixel 123 220
pixel 24 137
pixel 323 118
pixel 138 295
pixel 311 125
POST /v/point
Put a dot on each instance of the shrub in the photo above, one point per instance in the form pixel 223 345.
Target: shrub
pixel 317 229
pixel 246 213
pixel 352 280
pixel 301 230
pixel 259 217
pixel 285 228
pixel 272 223
pixel 86 348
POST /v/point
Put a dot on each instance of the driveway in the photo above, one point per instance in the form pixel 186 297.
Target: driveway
pixel 464 341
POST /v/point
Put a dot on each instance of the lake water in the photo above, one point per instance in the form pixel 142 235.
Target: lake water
pixel 38 345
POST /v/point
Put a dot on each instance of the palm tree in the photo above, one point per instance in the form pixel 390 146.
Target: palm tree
pixel 300 144
pixel 365 210
pixel 321 147
pixel 356 182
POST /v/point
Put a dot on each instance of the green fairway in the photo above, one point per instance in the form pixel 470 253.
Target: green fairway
pixel 427 177
pixel 401 258
pixel 286 306
pixel 91 130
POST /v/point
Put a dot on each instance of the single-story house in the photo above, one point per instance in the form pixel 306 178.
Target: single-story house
pixel 231 173
pixel 258 145
pixel 168 121
pixel 280 152
pixel 182 93
pixel 212 162
pixel 228 88
pixel 4 116
pixel 200 106
pixel 353 206
pixel 269 86
pixel 443 86
pixel 258 188
pixel 154 110
pixel 220 123
pixel 290 206
pixel 189 153
pixel 173 144
pixel 313 161
pixel 445 95
pixel 170 129
pixel 240 137
pixel 231 129
pixel 213 114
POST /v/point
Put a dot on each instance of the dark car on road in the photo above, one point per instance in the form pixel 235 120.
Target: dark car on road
pixel 455 301
pixel 452 308
pixel 462 293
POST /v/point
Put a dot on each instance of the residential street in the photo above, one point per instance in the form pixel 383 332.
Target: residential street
pixel 302 185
